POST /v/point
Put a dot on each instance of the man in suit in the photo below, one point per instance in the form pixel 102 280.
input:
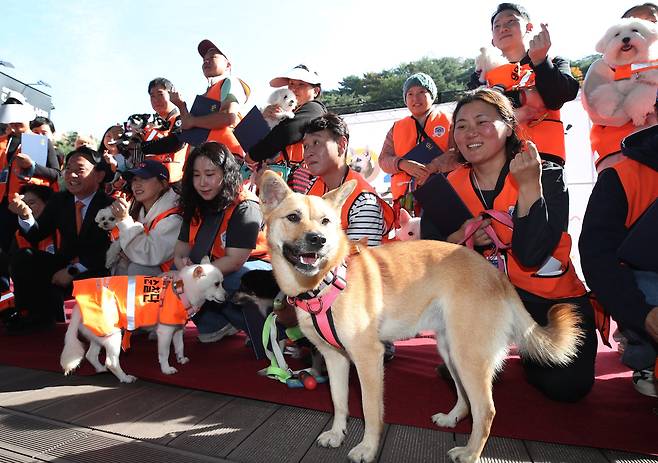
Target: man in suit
pixel 42 280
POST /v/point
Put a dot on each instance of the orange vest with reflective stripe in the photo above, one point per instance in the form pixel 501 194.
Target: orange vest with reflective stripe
pixel 606 139
pixel 640 184
pixel 218 247
pixel 565 284
pixel 547 133
pixel 405 138
pixel 46 245
pixel 165 266
pixel 174 162
pixel 225 134
pixel 319 188
pixel 14 181
pixel 127 302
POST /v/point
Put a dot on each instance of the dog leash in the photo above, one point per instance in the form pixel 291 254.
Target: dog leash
pixel 499 246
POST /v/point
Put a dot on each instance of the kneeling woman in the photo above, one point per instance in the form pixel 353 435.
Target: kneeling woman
pixel 148 227
pixel 507 178
pixel 223 221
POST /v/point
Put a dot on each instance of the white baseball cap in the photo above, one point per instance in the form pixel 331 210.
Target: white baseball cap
pixel 299 72
pixel 10 113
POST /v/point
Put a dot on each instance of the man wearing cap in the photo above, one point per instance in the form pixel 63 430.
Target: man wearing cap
pixel 536 84
pixel 16 167
pixel 230 92
pixel 425 125
pixel 283 143
pixel 41 280
pixel 626 287
pixel 149 227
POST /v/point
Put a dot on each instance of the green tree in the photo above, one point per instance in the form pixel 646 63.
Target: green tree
pixel 66 142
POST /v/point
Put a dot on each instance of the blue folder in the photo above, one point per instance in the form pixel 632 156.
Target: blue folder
pixel 251 129
pixel 35 146
pixel 424 152
pixel 639 248
pixel 442 205
pixel 202 106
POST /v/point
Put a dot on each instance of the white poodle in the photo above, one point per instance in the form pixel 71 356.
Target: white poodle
pixel 629 42
pixel 284 100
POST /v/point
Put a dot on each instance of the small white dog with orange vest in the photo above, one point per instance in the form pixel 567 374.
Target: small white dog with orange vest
pixel 105 306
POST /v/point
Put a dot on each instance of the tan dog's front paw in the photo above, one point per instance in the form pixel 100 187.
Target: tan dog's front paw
pixel 444 421
pixel 128 379
pixel 462 455
pixel 331 439
pixel 362 453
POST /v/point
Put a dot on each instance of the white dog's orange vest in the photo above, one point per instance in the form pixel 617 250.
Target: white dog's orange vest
pixel 127 302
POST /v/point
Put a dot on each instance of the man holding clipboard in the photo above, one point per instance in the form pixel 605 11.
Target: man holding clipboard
pixel 414 147
pixel 218 110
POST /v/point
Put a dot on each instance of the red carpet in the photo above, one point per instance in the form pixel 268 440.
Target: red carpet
pixel 612 416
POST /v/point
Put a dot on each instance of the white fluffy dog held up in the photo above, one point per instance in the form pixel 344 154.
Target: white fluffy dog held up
pixel 284 102
pixel 627 44
pixel 488 59
pixel 105 306
pixel 106 221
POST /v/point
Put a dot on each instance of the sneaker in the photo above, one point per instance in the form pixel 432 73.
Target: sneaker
pixel 226 330
pixel 645 383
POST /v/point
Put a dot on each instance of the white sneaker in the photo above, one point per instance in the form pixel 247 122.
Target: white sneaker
pixel 226 330
pixel 645 383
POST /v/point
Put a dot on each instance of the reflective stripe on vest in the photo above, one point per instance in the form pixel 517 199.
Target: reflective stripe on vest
pixel 543 280
pixel 548 132
pixel 319 188
pixel 225 134
pixel 406 137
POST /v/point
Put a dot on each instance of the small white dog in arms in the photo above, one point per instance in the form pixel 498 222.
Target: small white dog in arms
pixel 488 59
pixel 629 45
pixel 166 302
pixel 106 221
pixel 284 102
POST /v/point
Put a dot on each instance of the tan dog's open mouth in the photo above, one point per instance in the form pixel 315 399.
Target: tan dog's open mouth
pixel 305 262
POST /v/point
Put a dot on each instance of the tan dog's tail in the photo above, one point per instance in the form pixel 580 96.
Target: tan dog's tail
pixel 74 350
pixel 556 343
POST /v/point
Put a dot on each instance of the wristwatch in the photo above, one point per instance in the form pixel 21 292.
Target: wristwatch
pixel 73 270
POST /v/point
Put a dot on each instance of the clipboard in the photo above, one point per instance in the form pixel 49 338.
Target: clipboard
pixel 442 205
pixel 251 129
pixel 639 248
pixel 202 106
pixel 35 146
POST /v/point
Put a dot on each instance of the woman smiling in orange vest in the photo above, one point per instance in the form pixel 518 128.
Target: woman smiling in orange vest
pixel 230 92
pixel 425 125
pixel 526 203
pixel 223 221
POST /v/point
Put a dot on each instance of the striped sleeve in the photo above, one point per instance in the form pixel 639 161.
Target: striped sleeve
pixel 366 219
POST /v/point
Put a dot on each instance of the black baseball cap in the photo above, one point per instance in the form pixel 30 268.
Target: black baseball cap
pixel 510 6
pixel 149 168
pixel 206 45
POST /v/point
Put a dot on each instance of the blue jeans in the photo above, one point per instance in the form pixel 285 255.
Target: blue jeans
pixel 640 352
pixel 214 316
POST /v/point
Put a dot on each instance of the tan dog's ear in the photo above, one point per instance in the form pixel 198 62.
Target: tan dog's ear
pixel 198 272
pixel 273 190
pixel 340 194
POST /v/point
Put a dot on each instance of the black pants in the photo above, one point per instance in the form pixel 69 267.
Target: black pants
pixel 32 272
pixel 574 381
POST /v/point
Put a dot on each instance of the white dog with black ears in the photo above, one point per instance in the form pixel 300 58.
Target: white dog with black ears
pixel 105 306
pixel 628 48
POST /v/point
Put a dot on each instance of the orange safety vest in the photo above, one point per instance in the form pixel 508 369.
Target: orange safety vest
pixel 563 285
pixel 640 183
pixel 127 302
pixel 14 181
pixel 218 247
pixel 47 244
pixel 319 188
pixel 606 139
pixel 225 134
pixel 406 137
pixel 548 132
pixel 174 162
pixel 165 266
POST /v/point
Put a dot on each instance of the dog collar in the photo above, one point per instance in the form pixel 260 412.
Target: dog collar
pixel 318 303
pixel 178 288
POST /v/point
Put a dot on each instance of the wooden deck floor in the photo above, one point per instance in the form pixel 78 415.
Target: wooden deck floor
pixel 48 417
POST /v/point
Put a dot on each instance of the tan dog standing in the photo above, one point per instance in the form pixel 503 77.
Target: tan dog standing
pixel 393 292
